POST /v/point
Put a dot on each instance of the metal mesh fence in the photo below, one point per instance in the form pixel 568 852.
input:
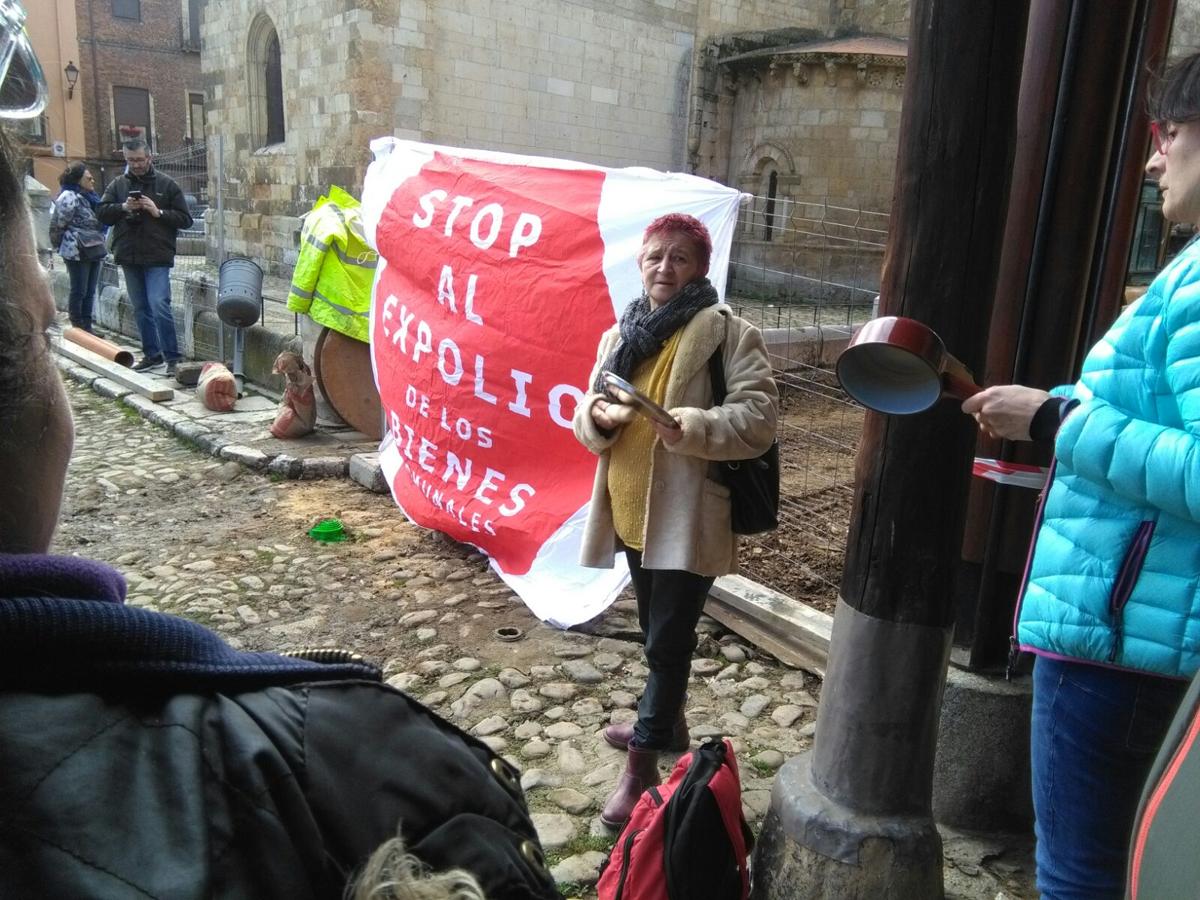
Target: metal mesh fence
pixel 188 166
pixel 807 273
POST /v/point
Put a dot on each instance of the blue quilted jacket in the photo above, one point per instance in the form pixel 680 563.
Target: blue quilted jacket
pixel 1114 576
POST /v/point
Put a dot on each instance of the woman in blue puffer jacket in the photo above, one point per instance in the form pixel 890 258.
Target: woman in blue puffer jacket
pixel 1111 601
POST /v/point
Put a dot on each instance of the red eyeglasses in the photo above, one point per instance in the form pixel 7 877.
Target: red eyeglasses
pixel 1162 138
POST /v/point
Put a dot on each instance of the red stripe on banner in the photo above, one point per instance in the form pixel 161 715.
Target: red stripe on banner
pixel 486 319
pixel 1004 472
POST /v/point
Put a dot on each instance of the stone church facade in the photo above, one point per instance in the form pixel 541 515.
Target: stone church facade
pixel 796 101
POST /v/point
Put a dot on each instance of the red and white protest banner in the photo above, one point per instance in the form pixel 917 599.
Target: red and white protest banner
pixel 498 273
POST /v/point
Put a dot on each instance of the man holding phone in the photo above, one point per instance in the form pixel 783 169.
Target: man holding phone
pixel 147 209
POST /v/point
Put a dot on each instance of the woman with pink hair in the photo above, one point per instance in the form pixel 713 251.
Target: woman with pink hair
pixel 658 497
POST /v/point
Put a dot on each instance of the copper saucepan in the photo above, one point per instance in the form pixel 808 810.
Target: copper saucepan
pixel 899 366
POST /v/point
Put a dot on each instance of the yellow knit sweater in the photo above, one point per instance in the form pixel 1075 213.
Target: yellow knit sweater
pixel 630 458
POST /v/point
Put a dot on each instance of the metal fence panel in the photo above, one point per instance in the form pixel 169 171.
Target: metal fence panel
pixel 806 274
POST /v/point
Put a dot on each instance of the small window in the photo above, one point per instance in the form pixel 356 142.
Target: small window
pixel 131 106
pixel 127 9
pixel 195 15
pixel 274 80
pixel 195 116
pixel 264 73
pixel 769 209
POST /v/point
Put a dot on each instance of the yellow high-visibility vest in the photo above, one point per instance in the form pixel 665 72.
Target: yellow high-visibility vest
pixel 333 275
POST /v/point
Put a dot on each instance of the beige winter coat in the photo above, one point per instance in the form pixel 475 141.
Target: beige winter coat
pixel 687 510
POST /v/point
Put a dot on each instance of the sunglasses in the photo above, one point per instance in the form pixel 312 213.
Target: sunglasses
pixel 22 85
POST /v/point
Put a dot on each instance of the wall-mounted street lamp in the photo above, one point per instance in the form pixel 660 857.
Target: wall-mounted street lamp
pixel 72 73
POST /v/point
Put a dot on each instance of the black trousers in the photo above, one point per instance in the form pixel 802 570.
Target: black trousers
pixel 669 606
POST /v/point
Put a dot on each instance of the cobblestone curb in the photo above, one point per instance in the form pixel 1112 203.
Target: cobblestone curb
pixel 215 444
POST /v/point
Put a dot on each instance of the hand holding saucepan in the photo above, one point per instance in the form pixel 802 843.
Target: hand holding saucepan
pixel 665 425
pixel 1005 411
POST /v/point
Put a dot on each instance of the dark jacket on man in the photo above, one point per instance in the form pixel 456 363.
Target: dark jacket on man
pixel 139 239
pixel 144 757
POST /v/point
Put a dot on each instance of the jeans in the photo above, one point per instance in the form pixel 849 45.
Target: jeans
pixel 84 275
pixel 1095 733
pixel 149 289
pixel 669 606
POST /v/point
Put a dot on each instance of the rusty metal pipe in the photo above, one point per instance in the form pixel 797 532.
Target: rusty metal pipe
pixel 99 345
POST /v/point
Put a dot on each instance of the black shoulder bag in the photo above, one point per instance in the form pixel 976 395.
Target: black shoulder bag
pixel 753 483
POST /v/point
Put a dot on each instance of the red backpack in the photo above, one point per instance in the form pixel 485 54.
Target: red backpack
pixel 687 838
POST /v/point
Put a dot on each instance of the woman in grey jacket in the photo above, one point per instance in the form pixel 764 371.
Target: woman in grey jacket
pixel 657 497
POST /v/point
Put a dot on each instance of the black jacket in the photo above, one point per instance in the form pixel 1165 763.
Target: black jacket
pixel 139 239
pixel 143 757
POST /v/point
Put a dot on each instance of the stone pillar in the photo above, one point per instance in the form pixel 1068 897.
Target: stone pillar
pixel 851 818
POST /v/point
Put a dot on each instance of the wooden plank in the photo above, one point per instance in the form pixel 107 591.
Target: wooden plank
pixel 135 381
pixel 789 630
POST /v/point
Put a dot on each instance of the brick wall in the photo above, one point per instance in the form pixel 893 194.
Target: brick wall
pixel 144 54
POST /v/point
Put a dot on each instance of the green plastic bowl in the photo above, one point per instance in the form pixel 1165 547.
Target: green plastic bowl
pixel 328 531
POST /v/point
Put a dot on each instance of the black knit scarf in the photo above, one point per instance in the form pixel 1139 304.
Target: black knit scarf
pixel 645 330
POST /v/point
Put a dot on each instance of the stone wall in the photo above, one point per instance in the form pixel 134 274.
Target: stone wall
pixel 1185 32
pixel 581 79
pixel 830 135
pixel 587 81
pixel 337 72
pixel 885 17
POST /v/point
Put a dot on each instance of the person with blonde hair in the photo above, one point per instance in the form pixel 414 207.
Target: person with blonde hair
pixel 392 873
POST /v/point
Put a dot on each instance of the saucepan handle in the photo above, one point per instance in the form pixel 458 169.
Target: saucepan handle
pixel 957 380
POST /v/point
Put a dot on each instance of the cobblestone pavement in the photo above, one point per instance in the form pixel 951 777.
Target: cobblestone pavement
pixel 228 547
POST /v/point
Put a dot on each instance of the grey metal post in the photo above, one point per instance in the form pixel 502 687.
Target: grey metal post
pixel 220 232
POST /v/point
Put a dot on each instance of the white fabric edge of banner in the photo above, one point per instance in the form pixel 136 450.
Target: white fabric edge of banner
pixel 555 573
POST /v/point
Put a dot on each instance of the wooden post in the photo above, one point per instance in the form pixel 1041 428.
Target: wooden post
pixel 1077 178
pixel 853 818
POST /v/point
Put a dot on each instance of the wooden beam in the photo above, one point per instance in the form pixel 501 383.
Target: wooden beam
pixel 135 381
pixel 789 630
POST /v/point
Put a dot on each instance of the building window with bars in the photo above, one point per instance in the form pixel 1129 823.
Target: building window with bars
pixel 32 131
